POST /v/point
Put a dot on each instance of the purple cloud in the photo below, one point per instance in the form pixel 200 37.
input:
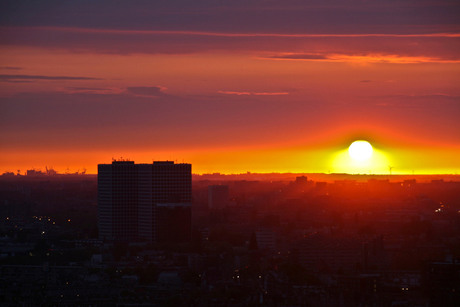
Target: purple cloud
pixel 10 67
pixel 152 91
pixel 15 78
pixel 84 89
pixel 252 15
pixel 297 56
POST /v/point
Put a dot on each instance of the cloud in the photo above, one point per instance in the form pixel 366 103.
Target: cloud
pixel 383 58
pixel 149 91
pixel 252 15
pixel 144 33
pixel 429 28
pixel 10 67
pixel 270 93
pixel 315 45
pixel 299 56
pixel 87 89
pixel 389 58
pixel 253 93
pixel 19 78
pixel 16 81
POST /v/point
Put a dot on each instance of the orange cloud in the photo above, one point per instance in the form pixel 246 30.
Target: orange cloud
pixel 146 91
pixel 253 93
pixel 360 58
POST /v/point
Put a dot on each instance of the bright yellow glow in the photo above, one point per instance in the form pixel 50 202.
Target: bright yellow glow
pixel 364 161
pixel 360 150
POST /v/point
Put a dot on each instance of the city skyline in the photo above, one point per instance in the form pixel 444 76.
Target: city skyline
pixel 230 87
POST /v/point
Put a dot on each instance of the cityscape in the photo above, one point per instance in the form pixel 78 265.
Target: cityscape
pixel 230 153
pixel 149 235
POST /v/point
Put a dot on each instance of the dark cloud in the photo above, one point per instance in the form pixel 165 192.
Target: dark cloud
pixel 251 15
pixel 15 78
pixel 73 88
pixel 439 47
pixel 239 93
pixel 153 91
pixel 10 67
pixel 300 56
pixel 16 81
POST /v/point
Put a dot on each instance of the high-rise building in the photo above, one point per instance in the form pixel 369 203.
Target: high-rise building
pixel 144 202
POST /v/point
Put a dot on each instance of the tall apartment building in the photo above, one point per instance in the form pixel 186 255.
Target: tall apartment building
pixel 144 202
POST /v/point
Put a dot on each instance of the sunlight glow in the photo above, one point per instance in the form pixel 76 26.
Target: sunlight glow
pixel 360 158
pixel 360 150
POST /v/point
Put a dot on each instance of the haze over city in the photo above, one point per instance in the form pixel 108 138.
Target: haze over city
pixel 230 86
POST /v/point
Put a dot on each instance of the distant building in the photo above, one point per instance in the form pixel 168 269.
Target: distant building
pixel 32 172
pixel 217 196
pixel 319 253
pixel 8 174
pixel 442 282
pixel 347 254
pixel 409 183
pixel 266 239
pixel 144 202
pixel 301 180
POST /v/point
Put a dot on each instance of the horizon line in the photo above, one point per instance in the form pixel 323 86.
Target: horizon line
pixel 261 173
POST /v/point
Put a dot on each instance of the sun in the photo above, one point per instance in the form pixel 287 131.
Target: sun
pixel 360 151
pixel 361 158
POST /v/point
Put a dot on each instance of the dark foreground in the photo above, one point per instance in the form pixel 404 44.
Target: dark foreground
pixel 266 243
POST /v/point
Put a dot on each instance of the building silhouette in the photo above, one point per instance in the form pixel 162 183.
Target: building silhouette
pixel 218 196
pixel 144 202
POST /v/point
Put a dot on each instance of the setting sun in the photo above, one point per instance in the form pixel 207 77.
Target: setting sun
pixel 361 158
pixel 360 150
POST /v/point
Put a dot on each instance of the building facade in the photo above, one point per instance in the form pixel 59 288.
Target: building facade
pixel 144 202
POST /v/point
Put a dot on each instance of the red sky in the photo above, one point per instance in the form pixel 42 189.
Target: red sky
pixel 230 86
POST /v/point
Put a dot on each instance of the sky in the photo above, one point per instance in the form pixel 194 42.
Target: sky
pixel 230 86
